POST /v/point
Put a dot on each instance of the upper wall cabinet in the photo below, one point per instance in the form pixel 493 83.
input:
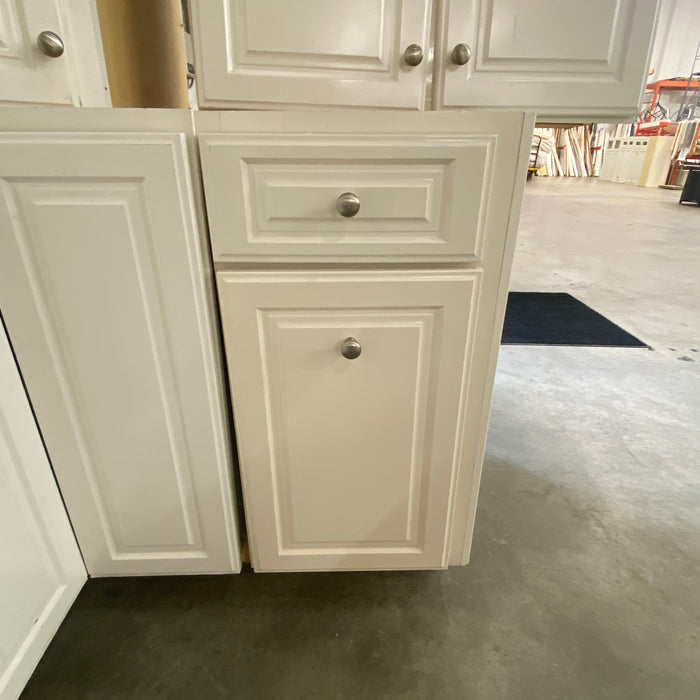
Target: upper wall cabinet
pixel 28 73
pixel 51 53
pixel 266 53
pixel 561 59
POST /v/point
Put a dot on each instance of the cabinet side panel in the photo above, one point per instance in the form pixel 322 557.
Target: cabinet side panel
pixel 42 571
pixel 499 256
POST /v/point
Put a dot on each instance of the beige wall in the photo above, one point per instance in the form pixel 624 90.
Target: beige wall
pixel 144 52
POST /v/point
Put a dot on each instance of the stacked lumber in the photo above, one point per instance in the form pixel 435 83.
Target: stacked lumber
pixel 578 151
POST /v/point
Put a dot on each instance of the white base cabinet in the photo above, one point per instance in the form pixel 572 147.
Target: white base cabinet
pixel 369 460
pixel 103 288
pixel 362 276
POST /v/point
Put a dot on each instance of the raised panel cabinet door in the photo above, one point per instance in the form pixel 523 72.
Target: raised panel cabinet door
pixel 348 461
pixel 41 571
pixel 103 290
pixel 562 59
pixel 268 53
pixel 31 76
pixel 26 74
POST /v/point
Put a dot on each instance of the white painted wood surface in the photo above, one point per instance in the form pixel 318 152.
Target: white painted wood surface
pixel 347 464
pixel 422 197
pixel 564 60
pixel 78 77
pixel 275 53
pixel 559 58
pixel 41 571
pixel 104 291
pixel 326 456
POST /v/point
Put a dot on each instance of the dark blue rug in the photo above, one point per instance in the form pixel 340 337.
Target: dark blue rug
pixel 557 318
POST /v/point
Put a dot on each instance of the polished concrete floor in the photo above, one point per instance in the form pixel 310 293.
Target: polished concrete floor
pixel 585 573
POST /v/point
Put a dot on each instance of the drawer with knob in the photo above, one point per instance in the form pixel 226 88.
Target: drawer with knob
pixel 358 197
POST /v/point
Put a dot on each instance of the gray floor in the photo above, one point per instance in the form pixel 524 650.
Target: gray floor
pixel 585 573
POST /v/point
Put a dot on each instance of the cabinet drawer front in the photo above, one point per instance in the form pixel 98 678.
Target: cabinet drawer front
pixel 276 198
pixel 347 463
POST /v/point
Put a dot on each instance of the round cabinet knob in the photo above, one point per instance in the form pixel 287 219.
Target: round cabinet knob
pixel 413 55
pixel 461 54
pixel 348 204
pixel 50 44
pixel 350 348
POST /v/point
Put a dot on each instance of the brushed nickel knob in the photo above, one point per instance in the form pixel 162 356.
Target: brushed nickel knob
pixel 350 348
pixel 50 44
pixel 413 55
pixel 461 54
pixel 348 204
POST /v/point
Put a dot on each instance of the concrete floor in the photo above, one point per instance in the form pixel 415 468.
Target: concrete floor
pixel 585 573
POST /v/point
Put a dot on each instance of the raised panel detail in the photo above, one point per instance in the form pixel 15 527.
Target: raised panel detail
pixel 295 203
pixel 421 198
pixel 318 52
pixel 526 54
pixel 131 430
pixel 314 37
pixel 13 27
pixel 508 27
pixel 348 464
pixel 369 464
pixel 102 288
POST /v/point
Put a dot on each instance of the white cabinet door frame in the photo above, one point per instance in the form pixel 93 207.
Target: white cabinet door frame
pixel 328 53
pixel 519 56
pixel 349 464
pixel 41 571
pixel 78 77
pixel 106 292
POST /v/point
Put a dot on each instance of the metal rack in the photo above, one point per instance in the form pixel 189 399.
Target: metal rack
pixel 691 94
pixel 652 110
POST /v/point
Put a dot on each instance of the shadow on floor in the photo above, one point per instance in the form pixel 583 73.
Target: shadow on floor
pixel 555 604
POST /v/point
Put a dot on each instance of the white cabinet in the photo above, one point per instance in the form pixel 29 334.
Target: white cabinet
pixel 373 461
pixel 104 292
pixel 265 53
pixel 348 463
pixel 77 76
pixel 559 58
pixel 563 60
pixel 41 571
